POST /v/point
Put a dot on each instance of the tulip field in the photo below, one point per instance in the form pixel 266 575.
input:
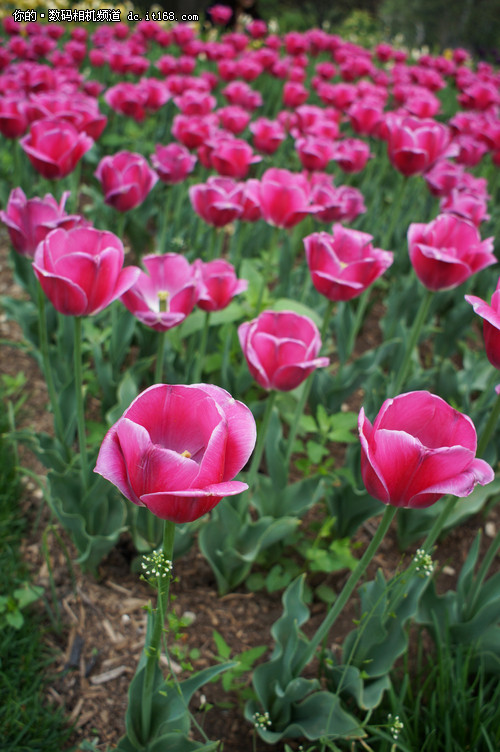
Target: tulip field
pixel 257 273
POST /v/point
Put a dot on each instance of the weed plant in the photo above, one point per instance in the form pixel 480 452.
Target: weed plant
pixel 27 722
pixel 450 703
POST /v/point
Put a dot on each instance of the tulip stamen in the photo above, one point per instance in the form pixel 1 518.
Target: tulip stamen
pixel 187 454
pixel 163 300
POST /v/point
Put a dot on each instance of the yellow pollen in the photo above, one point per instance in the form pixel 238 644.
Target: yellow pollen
pixel 187 454
pixel 163 300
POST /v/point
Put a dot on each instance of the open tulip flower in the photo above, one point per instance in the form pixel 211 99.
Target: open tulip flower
pixel 281 349
pixel 176 450
pixel 419 449
pixel 54 147
pixel 447 251
pixel 29 221
pixel 491 324
pixel 164 297
pixel 284 197
pixel 344 264
pixel 126 179
pixel 80 270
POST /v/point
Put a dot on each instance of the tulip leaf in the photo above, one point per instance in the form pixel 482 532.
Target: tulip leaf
pixel 292 500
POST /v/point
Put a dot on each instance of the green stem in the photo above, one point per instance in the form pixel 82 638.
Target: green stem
pixel 486 394
pixel 305 392
pixel 80 414
pixel 153 648
pixel 355 576
pixel 47 367
pixel 489 427
pixel 413 340
pixel 200 360
pixel 165 221
pixel 395 213
pixel 438 525
pixel 261 440
pixel 159 357
pixel 358 320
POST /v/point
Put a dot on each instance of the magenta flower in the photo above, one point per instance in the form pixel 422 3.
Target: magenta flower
pixel 176 450
pixel 29 221
pixel 128 99
pixel 419 449
pixel 220 14
pixel 447 251
pixel 232 157
pixel 281 349
pixel 284 197
pixel 314 152
pixel 218 284
pixel 344 264
pixel 352 154
pixel 162 298
pixel 267 135
pixel 414 145
pixel 54 147
pixel 342 204
pixel 126 179
pixel 13 118
pixel 491 324
pixel 173 163
pixel 80 270
pixel 218 201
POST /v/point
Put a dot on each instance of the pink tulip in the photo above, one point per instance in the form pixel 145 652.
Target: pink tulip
pixel 29 221
pixel 220 14
pixel 284 197
pixel 415 145
pixel 128 99
pixel 267 135
pixel 351 155
pixel 218 201
pixel 314 153
pixel 126 179
pixel 294 94
pixel 218 284
pixel 193 131
pixel 173 163
pixel 164 297
pixel 80 270
pixel 466 204
pixel 232 157
pixel 54 147
pixel 443 177
pixel 342 204
pixel 281 349
pixel 177 448
pixel 447 251
pixel 13 118
pixel 419 449
pixel 233 118
pixel 345 264
pixel 491 324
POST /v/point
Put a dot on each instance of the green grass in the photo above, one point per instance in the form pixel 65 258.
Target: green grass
pixel 449 704
pixel 27 722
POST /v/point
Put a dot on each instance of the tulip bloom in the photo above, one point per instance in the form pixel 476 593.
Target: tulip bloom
pixel 54 147
pixel 491 324
pixel 218 284
pixel 164 297
pixel 80 270
pixel 447 251
pixel 414 145
pixel 173 163
pixel 284 197
pixel 29 221
pixel 218 201
pixel 344 264
pixel 281 349
pixel 126 179
pixel 419 449
pixel 176 450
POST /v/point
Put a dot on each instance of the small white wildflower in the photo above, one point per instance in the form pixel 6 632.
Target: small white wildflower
pixel 261 720
pixel 156 565
pixel 395 726
pixel 423 562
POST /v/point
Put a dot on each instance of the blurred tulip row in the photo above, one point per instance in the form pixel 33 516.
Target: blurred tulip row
pixel 188 293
